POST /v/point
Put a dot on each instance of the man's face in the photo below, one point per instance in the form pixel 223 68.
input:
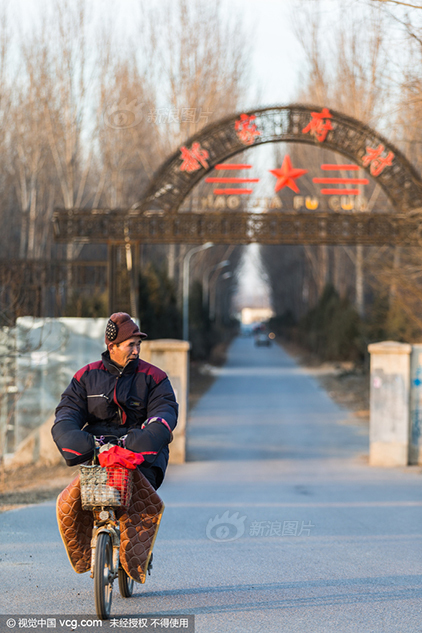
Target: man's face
pixel 126 351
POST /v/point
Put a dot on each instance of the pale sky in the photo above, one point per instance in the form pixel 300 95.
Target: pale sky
pixel 277 55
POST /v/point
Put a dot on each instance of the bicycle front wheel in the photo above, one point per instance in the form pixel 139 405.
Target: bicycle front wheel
pixel 125 584
pixel 103 575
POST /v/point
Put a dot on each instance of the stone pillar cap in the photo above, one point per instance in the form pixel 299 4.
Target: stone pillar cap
pixel 389 347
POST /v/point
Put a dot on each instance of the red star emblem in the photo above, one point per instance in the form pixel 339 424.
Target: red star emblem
pixel 287 175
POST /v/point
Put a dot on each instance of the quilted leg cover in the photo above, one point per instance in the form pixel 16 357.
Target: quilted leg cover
pixel 138 527
pixel 75 527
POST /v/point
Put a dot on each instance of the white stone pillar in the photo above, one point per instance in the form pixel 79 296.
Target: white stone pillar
pixel 415 446
pixel 389 430
pixel 172 357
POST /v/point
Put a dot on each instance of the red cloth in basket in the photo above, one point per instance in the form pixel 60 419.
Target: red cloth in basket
pixel 119 456
pixel 118 478
pixel 119 461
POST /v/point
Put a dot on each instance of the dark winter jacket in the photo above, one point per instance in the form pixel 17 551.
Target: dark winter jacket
pixel 103 399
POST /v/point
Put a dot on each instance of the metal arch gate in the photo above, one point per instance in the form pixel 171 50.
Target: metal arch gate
pixel 156 219
pixel 293 124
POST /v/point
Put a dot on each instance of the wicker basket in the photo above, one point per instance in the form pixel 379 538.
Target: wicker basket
pixel 110 486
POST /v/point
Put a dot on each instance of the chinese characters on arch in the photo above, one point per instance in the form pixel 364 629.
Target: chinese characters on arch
pixel 344 187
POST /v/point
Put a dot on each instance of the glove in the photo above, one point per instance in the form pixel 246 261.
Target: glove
pixel 76 446
pixel 148 441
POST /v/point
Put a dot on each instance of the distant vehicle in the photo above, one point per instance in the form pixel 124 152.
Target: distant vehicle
pixel 262 338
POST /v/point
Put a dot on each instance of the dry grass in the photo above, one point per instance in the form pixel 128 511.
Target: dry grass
pixel 33 484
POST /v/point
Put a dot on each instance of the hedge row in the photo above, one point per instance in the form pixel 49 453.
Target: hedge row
pixel 333 330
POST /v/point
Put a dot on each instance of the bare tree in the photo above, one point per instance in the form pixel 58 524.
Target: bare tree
pixel 347 70
pixel 88 120
pixel 195 82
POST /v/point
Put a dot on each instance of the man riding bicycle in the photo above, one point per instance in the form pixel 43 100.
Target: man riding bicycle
pixel 121 395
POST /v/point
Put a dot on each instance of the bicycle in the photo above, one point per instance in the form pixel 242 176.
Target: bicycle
pixel 104 490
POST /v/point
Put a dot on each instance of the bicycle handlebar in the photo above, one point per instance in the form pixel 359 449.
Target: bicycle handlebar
pixel 100 440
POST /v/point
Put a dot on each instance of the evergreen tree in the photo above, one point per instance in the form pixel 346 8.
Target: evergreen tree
pixel 158 311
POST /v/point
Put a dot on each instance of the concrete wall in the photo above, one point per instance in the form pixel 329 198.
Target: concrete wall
pixel 415 446
pixel 172 357
pixel 37 448
pixel 50 352
pixel 389 431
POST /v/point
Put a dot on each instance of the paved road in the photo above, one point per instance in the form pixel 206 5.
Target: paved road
pixel 276 523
